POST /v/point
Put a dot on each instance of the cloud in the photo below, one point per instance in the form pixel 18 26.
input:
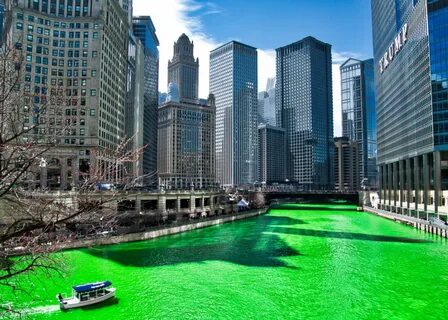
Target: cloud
pixel 266 67
pixel 174 17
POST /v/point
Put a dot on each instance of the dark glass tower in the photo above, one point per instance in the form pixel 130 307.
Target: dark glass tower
pixel 304 108
pixel 410 47
pixel 183 69
pixel 272 154
pixel 359 115
pixel 146 32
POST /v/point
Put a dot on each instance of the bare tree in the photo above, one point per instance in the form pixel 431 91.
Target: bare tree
pixel 34 222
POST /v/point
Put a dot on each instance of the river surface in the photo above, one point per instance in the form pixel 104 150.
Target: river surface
pixel 302 262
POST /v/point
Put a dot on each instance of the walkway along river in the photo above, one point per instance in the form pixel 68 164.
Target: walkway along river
pixel 298 262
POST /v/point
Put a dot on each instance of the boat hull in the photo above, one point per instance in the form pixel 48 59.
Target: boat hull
pixel 72 303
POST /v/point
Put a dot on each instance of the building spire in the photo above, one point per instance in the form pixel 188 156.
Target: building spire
pixel 183 69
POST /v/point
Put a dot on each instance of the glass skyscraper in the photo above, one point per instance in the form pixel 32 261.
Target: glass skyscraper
pixel 272 154
pixel 233 82
pixel 359 115
pixel 266 104
pixel 304 108
pixel 145 31
pixel 411 54
pixel 2 14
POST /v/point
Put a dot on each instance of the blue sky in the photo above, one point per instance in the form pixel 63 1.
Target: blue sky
pixel 267 24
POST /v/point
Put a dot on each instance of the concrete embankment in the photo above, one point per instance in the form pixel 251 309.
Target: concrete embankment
pixel 427 226
pixel 162 231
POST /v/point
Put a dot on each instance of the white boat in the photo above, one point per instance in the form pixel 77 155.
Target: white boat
pixel 87 294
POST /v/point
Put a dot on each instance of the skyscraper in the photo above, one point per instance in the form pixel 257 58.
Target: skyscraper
pixel 183 69
pixel 359 114
pixel 135 104
pixel 2 14
pixel 78 53
pixel 266 104
pixel 186 148
pixel 347 172
pixel 304 108
pixel 127 8
pixel 272 154
pixel 145 31
pixel 410 51
pixel 233 82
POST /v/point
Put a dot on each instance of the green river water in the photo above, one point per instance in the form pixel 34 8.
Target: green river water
pixel 305 262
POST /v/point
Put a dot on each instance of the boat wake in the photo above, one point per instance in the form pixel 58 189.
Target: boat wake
pixel 41 310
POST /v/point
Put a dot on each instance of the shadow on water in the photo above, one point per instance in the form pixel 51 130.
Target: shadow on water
pixel 345 235
pixel 254 242
pixel 247 245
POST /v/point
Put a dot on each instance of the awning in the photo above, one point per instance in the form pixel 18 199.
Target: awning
pixel 92 286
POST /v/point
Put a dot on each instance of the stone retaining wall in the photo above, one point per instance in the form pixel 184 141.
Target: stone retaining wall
pixel 166 231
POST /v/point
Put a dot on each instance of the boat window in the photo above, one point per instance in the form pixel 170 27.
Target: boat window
pixel 84 297
pixel 92 294
pixel 101 292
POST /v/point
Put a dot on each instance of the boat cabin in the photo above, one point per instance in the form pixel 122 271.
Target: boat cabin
pixel 91 291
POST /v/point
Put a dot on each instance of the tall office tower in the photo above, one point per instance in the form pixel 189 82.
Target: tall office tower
pixel 183 69
pixel 186 144
pixel 79 54
pixel 144 30
pixel 266 104
pixel 135 104
pixel 304 108
pixel 262 96
pixel 233 82
pixel 359 114
pixel 272 154
pixel 347 163
pixel 410 50
pixel 186 148
pixel 128 9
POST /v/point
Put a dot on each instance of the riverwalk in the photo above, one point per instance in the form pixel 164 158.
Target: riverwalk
pixel 161 231
pixel 424 225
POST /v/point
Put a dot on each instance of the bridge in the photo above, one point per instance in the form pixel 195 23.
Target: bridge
pixel 271 197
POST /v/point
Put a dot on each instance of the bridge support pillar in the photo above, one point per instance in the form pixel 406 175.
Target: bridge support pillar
pixel 138 204
pixel 161 207
pixel 178 204
pixel 192 203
